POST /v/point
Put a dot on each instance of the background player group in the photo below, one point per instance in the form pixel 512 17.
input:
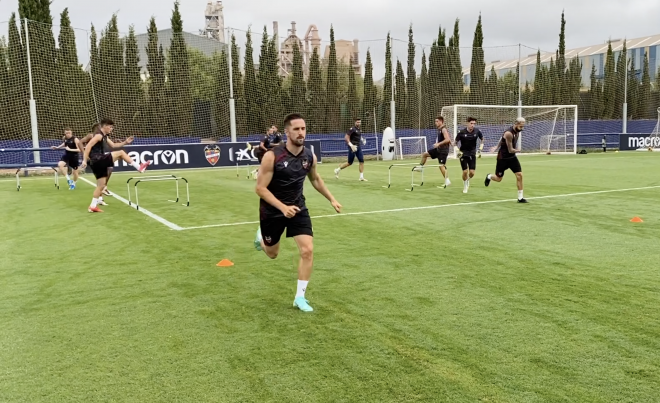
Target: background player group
pixel 466 145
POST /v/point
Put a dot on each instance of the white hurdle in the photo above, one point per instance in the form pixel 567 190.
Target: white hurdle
pixel 157 178
pixel 415 168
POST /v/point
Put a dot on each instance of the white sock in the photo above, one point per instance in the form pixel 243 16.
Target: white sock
pixel 68 177
pixel 520 194
pixel 95 202
pixel 135 165
pixel 361 175
pixel 100 199
pixel 302 286
pixel 488 177
pixel 466 183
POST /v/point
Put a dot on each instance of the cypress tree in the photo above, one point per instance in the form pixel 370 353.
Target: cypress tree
pixel 490 93
pixel 633 93
pixel 385 120
pixel 298 90
pixel 133 94
pixel 263 78
pixel 332 89
pixel 369 95
pixel 18 92
pixel 610 86
pixel 353 105
pixel 550 84
pixel 594 95
pixel 426 101
pixel 316 111
pixel 178 79
pixel 157 114
pixel 221 101
pixel 400 96
pixel 560 89
pixel 109 95
pixel 440 72
pixel 537 96
pixel 42 57
pixel 239 94
pixel 477 67
pixel 412 98
pixel 527 94
pixel 455 79
pixel 251 88
pixel 621 71
pixel 4 90
pixel 644 109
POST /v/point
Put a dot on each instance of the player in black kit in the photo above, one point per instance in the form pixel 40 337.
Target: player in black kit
pixel 272 139
pixel 100 160
pixel 468 150
pixel 507 159
pixel 354 142
pixel 282 206
pixel 70 159
pixel 440 150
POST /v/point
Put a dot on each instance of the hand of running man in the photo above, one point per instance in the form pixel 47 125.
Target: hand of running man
pixel 129 140
pixel 336 205
pixel 353 147
pixel 290 211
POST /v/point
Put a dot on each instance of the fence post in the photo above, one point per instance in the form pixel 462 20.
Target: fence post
pixel 33 103
pixel 232 104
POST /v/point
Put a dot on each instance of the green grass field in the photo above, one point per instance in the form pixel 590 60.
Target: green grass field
pixel 423 296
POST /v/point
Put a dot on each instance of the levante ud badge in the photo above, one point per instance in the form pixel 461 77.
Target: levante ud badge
pixel 212 154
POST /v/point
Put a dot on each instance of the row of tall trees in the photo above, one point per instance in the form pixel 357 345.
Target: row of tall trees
pixel 157 97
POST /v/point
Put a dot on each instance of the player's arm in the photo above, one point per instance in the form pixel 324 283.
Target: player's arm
pixel 347 138
pixel 58 147
pixel 262 145
pixel 481 137
pixel 88 148
pixel 75 150
pixel 320 186
pixel 120 145
pixel 81 149
pixel 459 139
pixel 266 170
pixel 508 137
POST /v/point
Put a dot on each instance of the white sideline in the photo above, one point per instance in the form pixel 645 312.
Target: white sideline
pixel 141 210
pixel 434 207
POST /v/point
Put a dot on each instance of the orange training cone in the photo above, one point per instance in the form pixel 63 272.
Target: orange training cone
pixel 225 263
pixel 636 219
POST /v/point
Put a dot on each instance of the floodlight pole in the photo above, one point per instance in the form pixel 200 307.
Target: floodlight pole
pixel 232 105
pixel 624 129
pixel 33 104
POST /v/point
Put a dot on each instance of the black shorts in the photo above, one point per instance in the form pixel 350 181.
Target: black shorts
pixel 469 162
pixel 510 163
pixel 439 154
pixel 100 165
pixel 71 161
pixel 273 228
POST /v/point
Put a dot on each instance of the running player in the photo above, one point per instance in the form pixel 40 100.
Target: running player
pixel 86 140
pixel 73 150
pixel 272 139
pixel 282 205
pixel 507 159
pixel 440 150
pixel 354 141
pixel 468 150
pixel 100 159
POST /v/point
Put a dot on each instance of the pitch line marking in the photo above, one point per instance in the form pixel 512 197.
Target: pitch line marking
pixel 142 210
pixel 433 207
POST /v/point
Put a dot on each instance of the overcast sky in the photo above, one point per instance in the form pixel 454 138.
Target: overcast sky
pixel 533 23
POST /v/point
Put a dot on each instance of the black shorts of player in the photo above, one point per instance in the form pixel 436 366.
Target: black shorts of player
pixel 71 161
pixel 100 165
pixel 439 154
pixel 273 228
pixel 352 155
pixel 510 163
pixel 469 162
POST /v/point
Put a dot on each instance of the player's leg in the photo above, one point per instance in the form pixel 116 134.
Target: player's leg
pixel 432 153
pixel 105 191
pixel 499 172
pixel 344 165
pixel 300 229
pixel 100 170
pixel 442 159
pixel 472 166
pixel 63 169
pixel 360 158
pixel 117 155
pixel 517 169
pixel 425 156
pixel 465 159
pixel 268 235
pixel 74 165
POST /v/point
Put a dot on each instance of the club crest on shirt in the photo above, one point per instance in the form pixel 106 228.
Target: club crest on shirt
pixel 286 164
pixel 212 154
pixel 305 164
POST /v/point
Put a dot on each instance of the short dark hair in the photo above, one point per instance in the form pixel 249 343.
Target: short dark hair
pixel 95 128
pixel 290 117
pixel 471 119
pixel 356 119
pixel 67 129
pixel 107 122
pixel 440 118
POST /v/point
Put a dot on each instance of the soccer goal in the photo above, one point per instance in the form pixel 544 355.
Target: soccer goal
pixel 655 136
pixel 410 147
pixel 549 128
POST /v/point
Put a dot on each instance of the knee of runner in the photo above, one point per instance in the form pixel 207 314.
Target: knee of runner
pixel 519 175
pixel 307 252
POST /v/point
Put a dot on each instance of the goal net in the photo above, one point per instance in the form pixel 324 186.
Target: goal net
pixel 549 128
pixel 655 135
pixel 410 147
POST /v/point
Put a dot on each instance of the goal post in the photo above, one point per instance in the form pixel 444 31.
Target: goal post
pixel 410 147
pixel 549 128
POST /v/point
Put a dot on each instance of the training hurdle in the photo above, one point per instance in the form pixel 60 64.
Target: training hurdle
pixel 27 166
pixel 415 168
pixel 157 178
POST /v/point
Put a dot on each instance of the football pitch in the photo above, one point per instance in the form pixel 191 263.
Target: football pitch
pixel 424 296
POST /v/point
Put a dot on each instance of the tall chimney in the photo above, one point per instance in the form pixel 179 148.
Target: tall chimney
pixel 276 35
